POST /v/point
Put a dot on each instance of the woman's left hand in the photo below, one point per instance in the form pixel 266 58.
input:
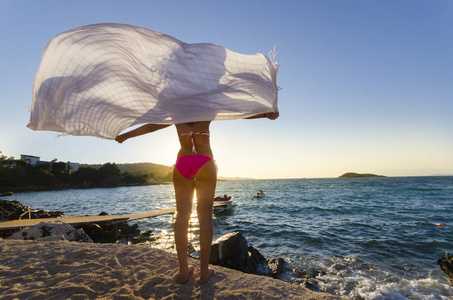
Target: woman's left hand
pixel 121 138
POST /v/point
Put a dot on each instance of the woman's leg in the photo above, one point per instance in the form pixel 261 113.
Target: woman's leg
pixel 184 189
pixel 205 183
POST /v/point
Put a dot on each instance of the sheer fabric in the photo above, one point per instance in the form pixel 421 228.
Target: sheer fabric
pixel 100 79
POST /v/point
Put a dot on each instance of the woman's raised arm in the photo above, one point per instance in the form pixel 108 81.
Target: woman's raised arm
pixel 270 116
pixel 147 128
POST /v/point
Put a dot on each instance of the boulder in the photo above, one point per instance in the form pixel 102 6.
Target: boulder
pixel 12 210
pixel 52 230
pixel 144 237
pixel 98 233
pixel 255 259
pixel 231 251
pixel 279 268
pixel 446 265
pixel 308 279
pixel 276 266
pixel 45 214
pixel 116 233
pixel 9 207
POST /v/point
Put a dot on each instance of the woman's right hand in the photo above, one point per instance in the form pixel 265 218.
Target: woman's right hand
pixel 272 116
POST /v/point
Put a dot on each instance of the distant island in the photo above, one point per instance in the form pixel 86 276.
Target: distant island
pixel 357 175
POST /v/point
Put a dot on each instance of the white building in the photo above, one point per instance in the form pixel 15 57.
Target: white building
pixel 30 159
pixel 72 167
pixel 35 161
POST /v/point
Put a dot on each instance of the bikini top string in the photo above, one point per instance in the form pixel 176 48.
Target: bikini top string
pixel 191 134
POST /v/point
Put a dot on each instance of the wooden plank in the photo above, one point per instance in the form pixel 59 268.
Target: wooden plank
pixel 15 224
pixel 149 214
pixel 69 220
pixel 155 213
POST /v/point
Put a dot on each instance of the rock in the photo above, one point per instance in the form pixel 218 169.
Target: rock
pixel 97 233
pixel 35 214
pixel 446 265
pixel 231 251
pixel 57 229
pixel 131 230
pixel 276 266
pixel 144 236
pixel 303 273
pixel 255 258
pixel 15 215
pixel 190 249
pixel 148 233
pixel 45 214
pixel 6 194
pixel 9 207
pixel 121 232
pixel 12 210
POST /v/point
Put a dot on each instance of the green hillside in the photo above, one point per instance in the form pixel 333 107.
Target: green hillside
pixel 157 170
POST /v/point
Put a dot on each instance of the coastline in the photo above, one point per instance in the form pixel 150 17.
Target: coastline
pixel 61 269
pixel 367 273
pixel 23 189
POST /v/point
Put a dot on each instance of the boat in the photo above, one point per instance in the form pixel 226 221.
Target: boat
pixel 222 203
pixel 260 194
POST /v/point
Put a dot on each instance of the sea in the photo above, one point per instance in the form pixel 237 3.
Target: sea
pixel 361 238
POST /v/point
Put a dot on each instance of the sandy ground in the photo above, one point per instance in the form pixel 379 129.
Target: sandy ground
pixel 71 270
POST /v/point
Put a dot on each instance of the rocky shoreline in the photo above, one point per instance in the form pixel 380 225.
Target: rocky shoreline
pixel 230 250
pixel 98 233
pixel 446 265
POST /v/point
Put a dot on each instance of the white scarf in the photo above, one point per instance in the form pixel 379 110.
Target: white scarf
pixel 100 79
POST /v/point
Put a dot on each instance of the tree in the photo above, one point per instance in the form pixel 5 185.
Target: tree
pixel 110 174
pixel 43 178
pixel 86 177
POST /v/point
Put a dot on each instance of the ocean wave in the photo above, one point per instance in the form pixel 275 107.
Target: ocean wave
pixel 356 279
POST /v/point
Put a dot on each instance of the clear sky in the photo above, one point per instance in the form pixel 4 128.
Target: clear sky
pixel 367 86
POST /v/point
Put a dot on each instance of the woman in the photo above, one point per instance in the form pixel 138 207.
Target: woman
pixel 194 170
pixel 97 80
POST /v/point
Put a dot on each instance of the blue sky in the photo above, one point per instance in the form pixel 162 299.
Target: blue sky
pixel 366 85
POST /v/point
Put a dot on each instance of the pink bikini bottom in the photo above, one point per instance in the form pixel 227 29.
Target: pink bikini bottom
pixel 188 165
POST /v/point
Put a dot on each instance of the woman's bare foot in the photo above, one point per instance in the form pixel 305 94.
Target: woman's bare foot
pixel 184 278
pixel 204 279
